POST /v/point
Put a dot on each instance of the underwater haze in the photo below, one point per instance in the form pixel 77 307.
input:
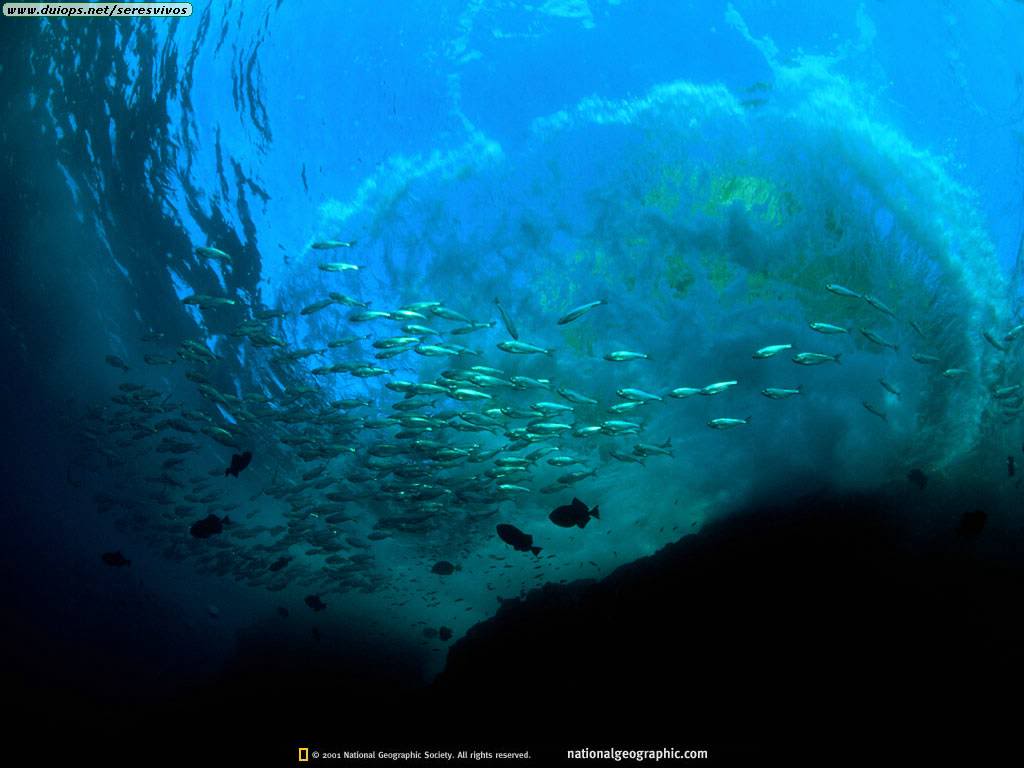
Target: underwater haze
pixel 341 325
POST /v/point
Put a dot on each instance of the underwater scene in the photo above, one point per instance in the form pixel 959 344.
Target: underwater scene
pixel 523 381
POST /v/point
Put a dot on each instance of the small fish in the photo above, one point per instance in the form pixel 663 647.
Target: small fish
pixel 874 338
pixel 681 392
pixel 325 245
pixel 626 407
pixel 718 387
pixel 573 314
pixel 116 362
pixel 449 314
pixel 314 602
pixel 828 328
pixel 464 329
pixel 726 423
pixel 871 409
pixel 923 359
pixel 209 526
pixel 444 634
pixel 444 568
pixel 1004 392
pixel 991 340
pixel 509 325
pixel 316 306
pixel 1014 333
pixel 778 393
pixel 814 358
pixel 645 450
pixel 637 395
pixel 840 290
pixel 771 351
pixel 280 563
pixel 339 266
pixel 626 457
pixel 396 341
pixel 564 461
pixel 878 305
pixel 954 373
pixel 917 328
pixel 115 559
pixel 575 397
pixel 622 355
pixel 570 478
pixel 615 427
pixel 512 488
pixel 889 388
pixel 208 252
pixel 574 514
pixel 521 542
pixel 522 348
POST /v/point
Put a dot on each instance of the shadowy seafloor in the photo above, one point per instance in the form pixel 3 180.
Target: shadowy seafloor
pixel 819 629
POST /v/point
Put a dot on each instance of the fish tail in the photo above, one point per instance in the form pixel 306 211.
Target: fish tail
pixel 595 512
pixel 535 550
pixel 838 355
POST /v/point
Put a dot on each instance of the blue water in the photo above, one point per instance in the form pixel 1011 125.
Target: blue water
pixel 705 168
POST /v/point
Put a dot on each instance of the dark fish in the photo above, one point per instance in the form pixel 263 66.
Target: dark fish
pixel 115 558
pixel 444 634
pixel 444 568
pixel 116 362
pixel 572 514
pixel 280 563
pixel 208 526
pixel 1010 468
pixel 918 478
pixel 314 602
pixel 239 461
pixel 521 542
pixel 509 325
pixel 972 523
pixel 282 612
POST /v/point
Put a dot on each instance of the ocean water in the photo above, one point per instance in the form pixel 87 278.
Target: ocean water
pixel 703 170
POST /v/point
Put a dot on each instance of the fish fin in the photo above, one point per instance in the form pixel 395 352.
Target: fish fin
pixel 226 520
pixel 747 420
pixel 596 512
pixel 583 522
pixel 227 471
pixel 535 550
pixel 838 355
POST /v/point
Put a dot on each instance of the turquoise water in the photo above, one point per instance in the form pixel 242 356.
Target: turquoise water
pixel 703 169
